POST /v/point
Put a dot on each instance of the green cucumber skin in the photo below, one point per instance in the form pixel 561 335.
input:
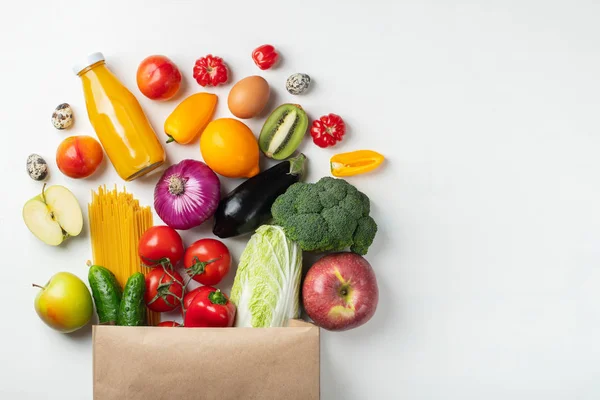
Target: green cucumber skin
pixel 132 311
pixel 106 293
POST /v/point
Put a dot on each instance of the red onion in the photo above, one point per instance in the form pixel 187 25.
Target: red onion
pixel 187 194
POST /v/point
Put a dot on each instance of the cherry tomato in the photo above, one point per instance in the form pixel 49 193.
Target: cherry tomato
pixel 328 130
pixel 160 243
pixel 210 308
pixel 210 71
pixel 265 56
pixel 162 292
pixel 170 324
pixel 207 261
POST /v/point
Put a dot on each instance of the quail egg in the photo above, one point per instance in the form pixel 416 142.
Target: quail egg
pixel 62 117
pixel 37 168
pixel 297 83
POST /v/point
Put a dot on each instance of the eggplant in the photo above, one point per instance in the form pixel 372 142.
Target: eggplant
pixel 248 206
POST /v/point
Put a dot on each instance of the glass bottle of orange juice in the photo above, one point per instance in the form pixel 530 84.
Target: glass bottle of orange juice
pixel 119 121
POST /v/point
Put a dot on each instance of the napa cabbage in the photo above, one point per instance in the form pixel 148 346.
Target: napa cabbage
pixel 266 288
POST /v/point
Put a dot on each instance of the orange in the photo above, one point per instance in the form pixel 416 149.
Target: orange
pixel 230 149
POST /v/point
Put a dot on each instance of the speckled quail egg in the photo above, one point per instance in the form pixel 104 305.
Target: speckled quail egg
pixel 297 83
pixel 37 168
pixel 62 117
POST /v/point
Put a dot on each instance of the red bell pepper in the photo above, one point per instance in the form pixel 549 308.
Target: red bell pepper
pixel 265 56
pixel 210 308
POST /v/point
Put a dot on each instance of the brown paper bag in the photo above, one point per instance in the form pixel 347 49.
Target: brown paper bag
pixel 206 363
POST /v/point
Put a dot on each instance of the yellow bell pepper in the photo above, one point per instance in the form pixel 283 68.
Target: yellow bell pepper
pixel 190 117
pixel 355 162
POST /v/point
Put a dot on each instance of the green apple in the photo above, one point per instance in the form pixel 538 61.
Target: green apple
pixel 54 215
pixel 65 303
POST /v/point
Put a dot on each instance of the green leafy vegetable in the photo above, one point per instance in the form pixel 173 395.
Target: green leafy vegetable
pixel 330 215
pixel 266 288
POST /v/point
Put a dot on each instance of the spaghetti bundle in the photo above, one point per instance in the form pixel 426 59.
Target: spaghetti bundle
pixel 117 221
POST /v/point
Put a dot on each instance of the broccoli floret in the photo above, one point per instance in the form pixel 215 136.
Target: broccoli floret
pixel 364 235
pixel 307 229
pixel 330 215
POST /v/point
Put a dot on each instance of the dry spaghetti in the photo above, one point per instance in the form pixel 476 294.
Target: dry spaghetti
pixel 117 221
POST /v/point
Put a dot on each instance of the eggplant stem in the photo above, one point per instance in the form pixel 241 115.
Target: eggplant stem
pixel 297 164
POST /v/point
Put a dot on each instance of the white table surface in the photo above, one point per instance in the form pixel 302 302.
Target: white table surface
pixel 488 251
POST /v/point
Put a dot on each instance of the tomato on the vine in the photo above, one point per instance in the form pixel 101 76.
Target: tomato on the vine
pixel 164 290
pixel 170 324
pixel 160 243
pixel 210 308
pixel 207 261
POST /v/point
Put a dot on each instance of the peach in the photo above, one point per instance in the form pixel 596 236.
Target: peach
pixel 79 156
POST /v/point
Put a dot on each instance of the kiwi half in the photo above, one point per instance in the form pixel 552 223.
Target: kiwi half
pixel 283 131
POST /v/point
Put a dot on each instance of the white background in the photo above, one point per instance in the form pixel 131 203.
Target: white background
pixel 488 252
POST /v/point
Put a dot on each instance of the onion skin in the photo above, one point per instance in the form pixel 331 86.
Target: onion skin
pixel 187 194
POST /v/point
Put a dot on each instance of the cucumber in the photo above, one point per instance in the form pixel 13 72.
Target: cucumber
pixel 132 311
pixel 106 292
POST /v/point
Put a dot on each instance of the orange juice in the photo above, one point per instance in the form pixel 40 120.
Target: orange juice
pixel 119 121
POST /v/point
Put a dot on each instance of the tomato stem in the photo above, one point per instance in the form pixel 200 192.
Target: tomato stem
pixel 163 262
pixel 164 289
pixel 199 266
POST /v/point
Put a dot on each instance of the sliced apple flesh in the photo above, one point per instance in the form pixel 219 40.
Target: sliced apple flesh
pixel 66 209
pixel 54 215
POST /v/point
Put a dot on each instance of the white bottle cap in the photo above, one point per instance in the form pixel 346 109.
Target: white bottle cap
pixel 86 62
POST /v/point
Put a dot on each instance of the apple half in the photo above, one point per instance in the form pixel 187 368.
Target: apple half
pixel 53 215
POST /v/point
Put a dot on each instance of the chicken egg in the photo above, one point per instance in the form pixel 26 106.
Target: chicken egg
pixel 248 97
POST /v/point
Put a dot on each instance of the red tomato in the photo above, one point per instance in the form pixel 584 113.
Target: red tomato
pixel 158 78
pixel 210 308
pixel 210 71
pixel 265 56
pixel 170 324
pixel 207 261
pixel 159 244
pixel 328 130
pixel 162 292
pixel 79 156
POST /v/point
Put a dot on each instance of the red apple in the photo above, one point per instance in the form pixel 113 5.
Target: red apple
pixel 79 156
pixel 340 291
pixel 158 78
